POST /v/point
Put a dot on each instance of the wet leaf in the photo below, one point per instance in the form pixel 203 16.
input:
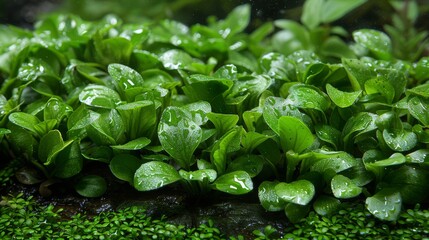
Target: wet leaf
pixel 326 205
pixel 402 141
pixel 202 175
pixel 343 187
pixel 419 108
pixel 229 142
pixel 24 120
pixel 235 183
pixel 329 134
pixel 135 144
pixel 295 212
pixel 385 204
pixel 308 97
pixel 294 134
pixel 276 107
pixel 377 42
pixel 340 98
pixel 99 96
pixel 252 164
pixel 124 77
pixel 299 192
pixel 268 197
pixel 179 135
pixel 154 175
pixel 69 161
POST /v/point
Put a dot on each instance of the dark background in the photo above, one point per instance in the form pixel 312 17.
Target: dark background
pixel 373 14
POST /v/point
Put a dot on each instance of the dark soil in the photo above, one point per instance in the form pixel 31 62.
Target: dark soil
pixel 233 215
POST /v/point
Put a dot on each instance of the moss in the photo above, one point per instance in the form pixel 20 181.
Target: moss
pixel 355 222
pixel 8 171
pixel 22 218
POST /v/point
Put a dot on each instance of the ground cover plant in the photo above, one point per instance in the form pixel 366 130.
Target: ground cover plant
pixel 291 110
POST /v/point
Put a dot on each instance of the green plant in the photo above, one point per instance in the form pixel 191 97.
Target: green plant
pixel 25 218
pixel 309 121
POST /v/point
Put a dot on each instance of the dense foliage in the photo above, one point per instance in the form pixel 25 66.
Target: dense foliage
pixel 290 110
pixel 23 218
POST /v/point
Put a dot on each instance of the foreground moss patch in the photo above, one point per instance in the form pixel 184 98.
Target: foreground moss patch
pixel 23 218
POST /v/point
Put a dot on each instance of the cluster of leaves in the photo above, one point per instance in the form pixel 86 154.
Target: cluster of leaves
pixel 296 111
pixel 355 222
pixel 7 172
pixel 24 218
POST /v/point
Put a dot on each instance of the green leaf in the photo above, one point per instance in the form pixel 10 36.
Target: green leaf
pixel 275 107
pixel 139 117
pixel 311 14
pixel 91 186
pixel 229 142
pixel 268 197
pixel 124 77
pixel 99 96
pixel 124 166
pixel 382 87
pixel 198 112
pixel 24 120
pixel 334 161
pixel 411 182
pixel 329 134
pixel 57 110
pixel 402 141
pixel 201 175
pixel 340 98
pixel 111 50
pixel 97 153
pixel 333 10
pixel 50 145
pixel 44 127
pixel 299 192
pixel 419 156
pixel 252 140
pixel 179 135
pixel 295 212
pixel 275 65
pixel 362 122
pixel 235 183
pixel 420 90
pixel 419 109
pixel 23 141
pixel 69 161
pixel 326 205
pixel 293 35
pixel 378 43
pixel 176 59
pixel 294 134
pixel 228 71
pixel 308 97
pixel 135 144
pixel 107 129
pixel 385 204
pixel 210 91
pixel 223 122
pixel 316 12
pixel 3 132
pixel 236 21
pixel 154 175
pixel 79 120
pixel 343 187
pixel 252 164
